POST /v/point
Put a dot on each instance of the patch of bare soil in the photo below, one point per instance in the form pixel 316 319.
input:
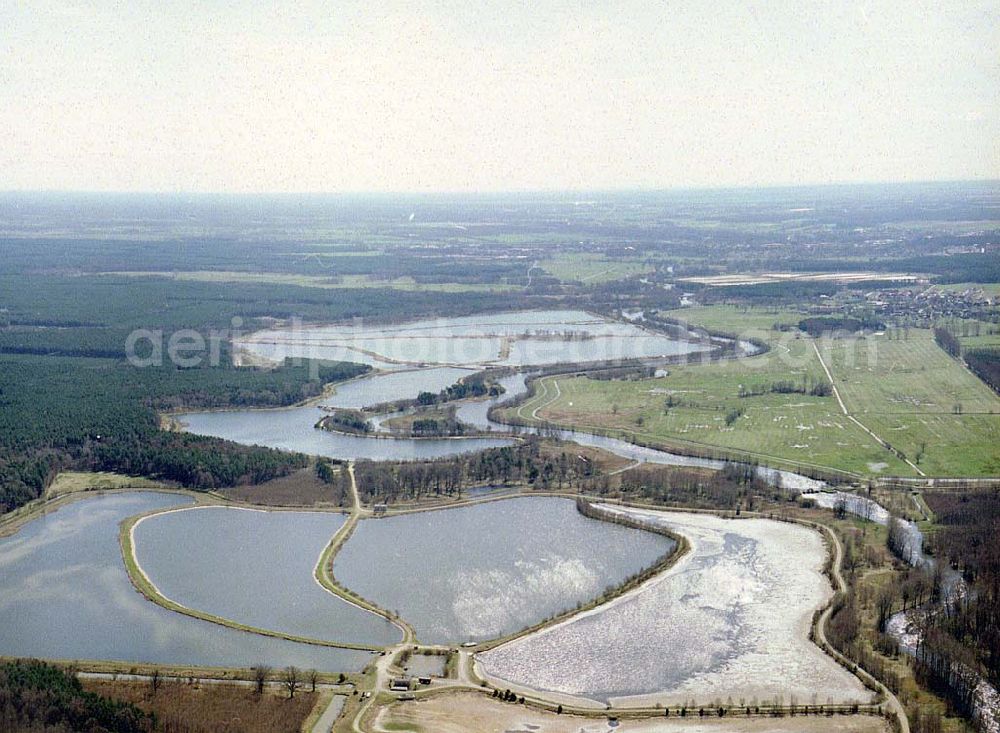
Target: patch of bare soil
pixel 302 488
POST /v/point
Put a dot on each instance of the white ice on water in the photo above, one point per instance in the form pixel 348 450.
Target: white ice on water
pixel 730 620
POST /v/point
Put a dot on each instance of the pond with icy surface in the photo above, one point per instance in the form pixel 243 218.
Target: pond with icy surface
pixel 731 618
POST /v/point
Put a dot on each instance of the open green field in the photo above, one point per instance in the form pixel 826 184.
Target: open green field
pixel 755 322
pixel 792 430
pixel 981 341
pixel 908 392
pixel 976 334
pixel 920 400
pixel 68 482
pixel 318 281
pixel 591 268
pixel 991 289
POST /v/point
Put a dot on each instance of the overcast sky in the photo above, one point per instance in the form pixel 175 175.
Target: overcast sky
pixel 481 95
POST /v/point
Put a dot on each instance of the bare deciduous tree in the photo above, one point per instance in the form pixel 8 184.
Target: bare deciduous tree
pixel 883 605
pixel 291 681
pixel 260 674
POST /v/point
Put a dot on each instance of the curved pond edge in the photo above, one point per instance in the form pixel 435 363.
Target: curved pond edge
pixel 833 570
pixel 325 578
pixel 12 522
pixel 585 507
pixel 169 420
pixel 144 584
pixel 885 703
pixel 485 686
pixel 323 571
pixel 324 567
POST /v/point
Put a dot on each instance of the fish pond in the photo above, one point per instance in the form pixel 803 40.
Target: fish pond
pixel 65 594
pixel 510 339
pixel 294 429
pixel 256 568
pixel 517 339
pixel 730 618
pixel 486 570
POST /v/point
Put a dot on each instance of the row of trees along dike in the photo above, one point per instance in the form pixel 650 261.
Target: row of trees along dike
pixel 526 462
pixel 736 486
pixel 983 361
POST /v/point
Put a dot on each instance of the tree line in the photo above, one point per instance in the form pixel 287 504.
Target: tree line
pixel 985 364
pixel 35 696
pixel 66 412
pixel 958 621
pixel 948 342
pixel 735 486
pixel 983 361
pixel 432 427
pixel 480 384
pixel 346 421
pixel 529 461
pixel 818 325
pixel 970 525
pixel 814 388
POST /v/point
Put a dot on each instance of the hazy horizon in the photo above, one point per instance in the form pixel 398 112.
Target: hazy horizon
pixel 623 190
pixel 491 97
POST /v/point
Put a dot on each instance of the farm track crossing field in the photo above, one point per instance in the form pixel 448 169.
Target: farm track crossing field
pixel 902 387
pixel 920 400
pixel 700 406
